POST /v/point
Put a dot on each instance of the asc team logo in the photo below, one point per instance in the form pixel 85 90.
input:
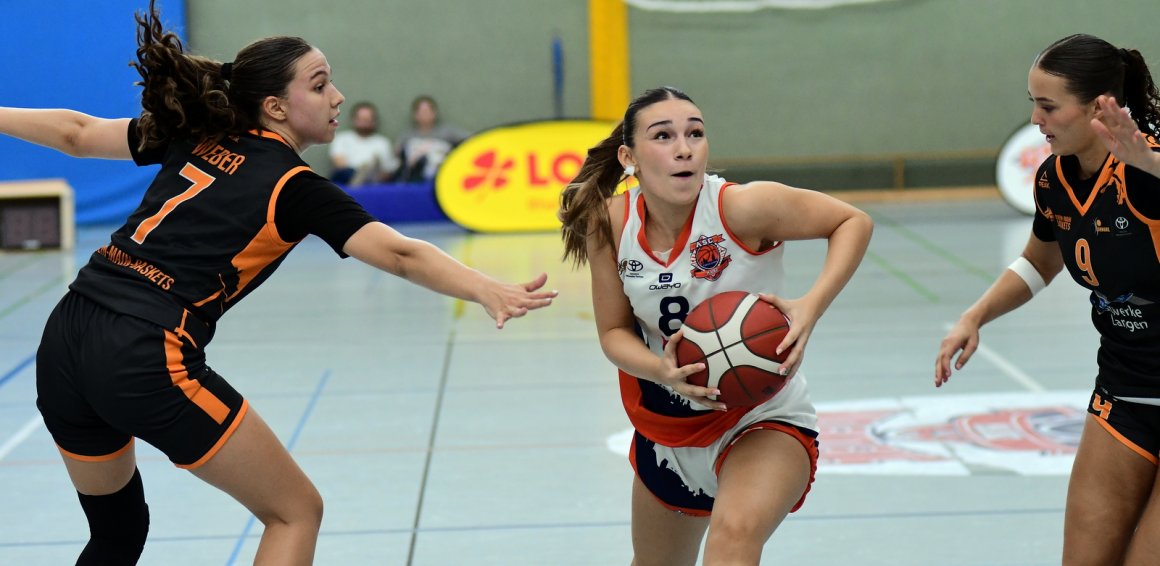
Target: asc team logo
pixel 709 257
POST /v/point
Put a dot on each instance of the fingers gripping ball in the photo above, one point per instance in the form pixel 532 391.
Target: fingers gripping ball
pixel 736 335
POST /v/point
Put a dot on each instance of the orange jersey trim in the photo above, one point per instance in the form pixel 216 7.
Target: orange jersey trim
pixel 725 223
pixel 700 430
pixel 267 246
pixel 200 396
pixel 1105 173
pixel 1124 440
pixel 104 458
pixel 807 442
pixel 678 249
pixel 221 441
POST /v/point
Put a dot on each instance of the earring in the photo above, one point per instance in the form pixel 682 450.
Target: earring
pixel 630 170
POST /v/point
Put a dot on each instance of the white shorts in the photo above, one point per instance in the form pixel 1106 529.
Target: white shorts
pixel 685 479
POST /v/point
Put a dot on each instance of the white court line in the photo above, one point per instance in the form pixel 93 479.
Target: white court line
pixel 21 435
pixel 1008 368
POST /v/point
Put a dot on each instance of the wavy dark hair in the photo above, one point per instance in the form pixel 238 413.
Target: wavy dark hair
pixel 188 96
pixel 1091 67
pixel 582 203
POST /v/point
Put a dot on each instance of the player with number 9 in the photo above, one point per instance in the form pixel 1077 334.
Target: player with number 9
pixel 654 252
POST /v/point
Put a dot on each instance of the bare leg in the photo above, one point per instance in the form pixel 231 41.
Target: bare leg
pixel 256 469
pixel 102 478
pixel 1109 487
pixel 1145 545
pixel 763 476
pixel 661 536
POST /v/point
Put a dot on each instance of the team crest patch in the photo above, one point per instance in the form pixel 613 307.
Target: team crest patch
pixel 709 257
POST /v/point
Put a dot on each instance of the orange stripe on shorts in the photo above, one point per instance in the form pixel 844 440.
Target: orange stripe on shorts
pixel 192 389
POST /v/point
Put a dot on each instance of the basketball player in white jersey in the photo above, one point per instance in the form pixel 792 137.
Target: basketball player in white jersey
pixel 654 253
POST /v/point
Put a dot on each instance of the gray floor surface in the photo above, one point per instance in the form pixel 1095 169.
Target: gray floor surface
pixel 437 440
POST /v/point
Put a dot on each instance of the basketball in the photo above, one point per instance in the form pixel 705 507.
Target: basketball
pixel 736 335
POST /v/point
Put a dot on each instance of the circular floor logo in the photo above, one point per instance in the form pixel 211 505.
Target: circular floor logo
pixel 1021 433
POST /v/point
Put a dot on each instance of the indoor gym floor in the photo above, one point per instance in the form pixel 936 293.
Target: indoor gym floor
pixel 437 440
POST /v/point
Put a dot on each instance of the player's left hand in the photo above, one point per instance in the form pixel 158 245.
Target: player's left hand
pixel 1122 136
pixel 506 301
pixel 802 315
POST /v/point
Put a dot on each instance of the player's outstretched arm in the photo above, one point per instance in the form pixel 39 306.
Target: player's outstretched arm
pixel 1009 292
pixel 68 131
pixel 424 264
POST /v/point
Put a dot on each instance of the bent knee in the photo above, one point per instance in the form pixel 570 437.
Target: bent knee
pixel 738 529
pixel 304 508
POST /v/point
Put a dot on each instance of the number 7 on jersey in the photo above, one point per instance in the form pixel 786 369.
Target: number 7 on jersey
pixel 201 181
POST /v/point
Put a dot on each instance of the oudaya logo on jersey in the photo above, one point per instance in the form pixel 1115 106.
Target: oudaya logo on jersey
pixel 509 178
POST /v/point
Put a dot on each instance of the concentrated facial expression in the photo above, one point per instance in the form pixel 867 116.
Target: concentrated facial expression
pixel 1060 115
pixel 311 102
pixel 364 121
pixel 669 150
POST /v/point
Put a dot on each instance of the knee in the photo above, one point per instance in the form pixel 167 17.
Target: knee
pixel 118 525
pixel 736 530
pixel 303 508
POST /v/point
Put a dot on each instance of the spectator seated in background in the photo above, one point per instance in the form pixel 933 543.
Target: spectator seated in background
pixel 362 156
pixel 426 144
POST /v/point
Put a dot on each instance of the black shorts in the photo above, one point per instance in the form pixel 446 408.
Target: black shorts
pixel 103 378
pixel 1136 425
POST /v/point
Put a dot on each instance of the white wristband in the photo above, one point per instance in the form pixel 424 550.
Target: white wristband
pixel 1028 274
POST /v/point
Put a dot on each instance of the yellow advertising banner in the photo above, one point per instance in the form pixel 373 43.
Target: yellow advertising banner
pixel 509 179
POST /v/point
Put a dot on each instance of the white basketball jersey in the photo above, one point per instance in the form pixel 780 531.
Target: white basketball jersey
pixel 705 260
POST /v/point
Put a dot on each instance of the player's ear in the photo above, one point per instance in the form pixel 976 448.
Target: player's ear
pixel 274 107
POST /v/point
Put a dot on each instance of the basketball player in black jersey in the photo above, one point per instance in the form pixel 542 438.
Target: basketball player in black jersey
pixel 1098 200
pixel 122 354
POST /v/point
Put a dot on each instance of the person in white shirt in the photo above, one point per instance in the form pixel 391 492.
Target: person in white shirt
pixel 362 156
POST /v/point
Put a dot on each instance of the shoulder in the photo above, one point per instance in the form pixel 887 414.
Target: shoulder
pixel 617 206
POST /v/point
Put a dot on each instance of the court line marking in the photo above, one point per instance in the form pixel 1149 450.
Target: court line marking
pixel 19 367
pixel 21 435
pixel 431 445
pixel 241 541
pixel 1006 367
pixel 587 525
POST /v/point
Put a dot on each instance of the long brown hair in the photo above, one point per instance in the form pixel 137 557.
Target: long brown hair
pixel 583 203
pixel 188 96
pixel 1091 67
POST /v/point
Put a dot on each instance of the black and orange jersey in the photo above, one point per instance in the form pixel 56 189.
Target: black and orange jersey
pixel 1108 230
pixel 217 220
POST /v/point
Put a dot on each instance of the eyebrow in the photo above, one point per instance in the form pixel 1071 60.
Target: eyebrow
pixel 1040 98
pixel 318 72
pixel 670 122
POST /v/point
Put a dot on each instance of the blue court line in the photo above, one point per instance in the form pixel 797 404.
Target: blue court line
pixel 289 447
pixel 587 525
pixel 19 367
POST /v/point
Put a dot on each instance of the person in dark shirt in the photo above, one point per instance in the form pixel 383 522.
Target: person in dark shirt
pixel 122 355
pixel 1098 215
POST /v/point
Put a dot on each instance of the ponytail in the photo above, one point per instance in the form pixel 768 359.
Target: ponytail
pixel 184 95
pixel 1140 93
pixel 193 97
pixel 583 204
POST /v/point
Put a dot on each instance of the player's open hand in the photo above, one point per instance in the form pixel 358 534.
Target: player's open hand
pixel 1122 136
pixel 803 315
pixel 963 336
pixel 506 301
pixel 676 378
